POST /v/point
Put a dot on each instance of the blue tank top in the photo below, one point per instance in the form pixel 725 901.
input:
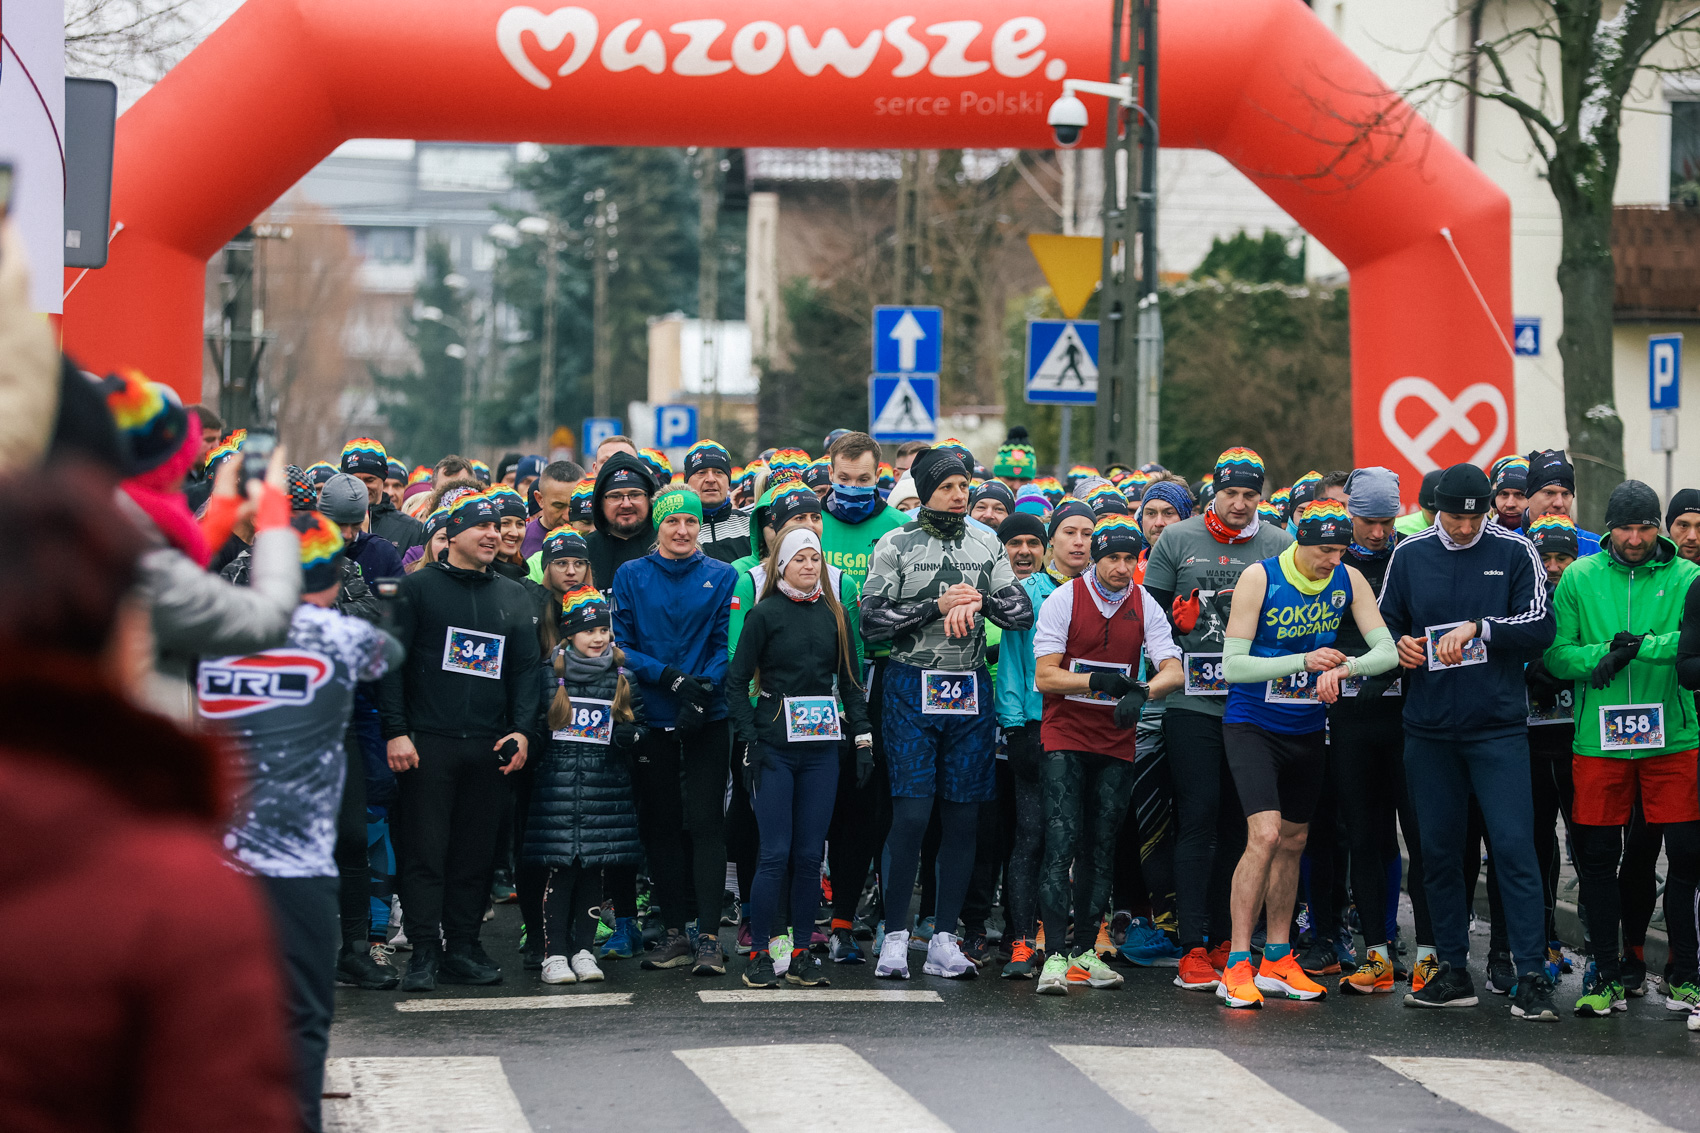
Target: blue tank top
pixel 1291 621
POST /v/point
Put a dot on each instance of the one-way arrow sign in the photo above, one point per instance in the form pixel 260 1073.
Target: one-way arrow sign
pixel 906 339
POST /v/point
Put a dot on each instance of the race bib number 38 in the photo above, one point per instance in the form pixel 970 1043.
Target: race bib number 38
pixel 1632 727
pixel 474 653
pixel 949 694
pixel 812 718
pixel 1206 675
pixel 589 722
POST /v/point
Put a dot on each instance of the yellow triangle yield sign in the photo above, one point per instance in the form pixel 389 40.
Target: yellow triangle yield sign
pixel 1072 265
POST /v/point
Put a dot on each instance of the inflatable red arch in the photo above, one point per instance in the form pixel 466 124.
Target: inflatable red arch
pixel 1261 82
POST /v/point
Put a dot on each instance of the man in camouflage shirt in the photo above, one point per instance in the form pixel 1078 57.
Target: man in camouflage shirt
pixel 931 583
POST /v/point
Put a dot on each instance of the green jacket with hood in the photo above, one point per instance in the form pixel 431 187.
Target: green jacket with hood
pixel 1601 596
pixel 744 592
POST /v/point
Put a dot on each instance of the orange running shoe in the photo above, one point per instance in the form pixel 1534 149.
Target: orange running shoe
pixel 1373 977
pixel 1104 947
pixel 1240 984
pixel 1286 979
pixel 1423 971
pixel 1219 956
pixel 1039 941
pixel 1195 973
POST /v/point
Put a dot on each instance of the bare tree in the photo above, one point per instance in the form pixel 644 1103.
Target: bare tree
pixel 1565 67
pixel 134 40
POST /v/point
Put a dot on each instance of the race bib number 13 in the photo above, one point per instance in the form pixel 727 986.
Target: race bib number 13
pixel 1293 688
pixel 1632 727
pixel 474 653
pixel 949 694
pixel 589 722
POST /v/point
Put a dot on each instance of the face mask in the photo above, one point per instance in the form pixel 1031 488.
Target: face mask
pixel 852 503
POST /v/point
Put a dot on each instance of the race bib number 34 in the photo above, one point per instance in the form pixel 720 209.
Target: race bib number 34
pixel 1206 675
pixel 812 718
pixel 474 653
pixel 949 694
pixel 1632 727
pixel 589 722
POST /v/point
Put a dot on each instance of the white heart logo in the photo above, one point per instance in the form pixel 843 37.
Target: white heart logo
pixel 551 31
pixel 1451 416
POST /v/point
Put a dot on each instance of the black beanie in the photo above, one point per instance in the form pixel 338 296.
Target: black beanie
pixel 1463 489
pixel 992 490
pixel 1425 493
pixel 1067 508
pixel 1549 467
pixel 932 468
pixel 1684 501
pixel 1023 523
pixel 1632 502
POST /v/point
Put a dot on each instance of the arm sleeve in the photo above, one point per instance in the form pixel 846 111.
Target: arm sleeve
pixel 739 671
pixel 1159 642
pixel 1569 658
pixel 1244 669
pixel 1381 657
pixel 1526 631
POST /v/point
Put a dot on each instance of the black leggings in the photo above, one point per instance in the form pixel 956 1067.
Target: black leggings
pixel 1553 789
pixel 568 894
pixel 959 825
pixel 1599 850
pixel 1210 828
pixel 1145 853
pixel 1637 878
pixel 1367 765
pixel 681 792
pixel 861 817
pixel 1027 846
pixel 352 853
pixel 1086 798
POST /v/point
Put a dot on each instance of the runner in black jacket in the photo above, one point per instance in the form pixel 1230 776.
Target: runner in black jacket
pixel 469 686
pixel 624 529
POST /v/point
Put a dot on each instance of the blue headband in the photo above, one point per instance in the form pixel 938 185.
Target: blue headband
pixel 1170 493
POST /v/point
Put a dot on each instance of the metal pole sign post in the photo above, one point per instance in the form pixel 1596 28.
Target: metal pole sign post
pixel 1664 397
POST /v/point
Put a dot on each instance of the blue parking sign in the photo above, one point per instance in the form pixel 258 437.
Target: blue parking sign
pixel 675 426
pixel 1664 371
pixel 596 430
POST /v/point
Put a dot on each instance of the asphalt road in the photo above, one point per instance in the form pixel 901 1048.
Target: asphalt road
pixel 644 1051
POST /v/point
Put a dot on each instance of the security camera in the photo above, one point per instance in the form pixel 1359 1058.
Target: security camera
pixel 1067 117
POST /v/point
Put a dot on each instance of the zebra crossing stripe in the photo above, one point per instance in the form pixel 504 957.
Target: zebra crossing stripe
pixel 1524 1096
pixel 422 1095
pixel 820 1087
pixel 1183 1089
pixel 820 995
pixel 518 1002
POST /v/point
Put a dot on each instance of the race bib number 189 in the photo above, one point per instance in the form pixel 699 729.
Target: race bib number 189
pixel 589 722
pixel 1632 727
pixel 945 693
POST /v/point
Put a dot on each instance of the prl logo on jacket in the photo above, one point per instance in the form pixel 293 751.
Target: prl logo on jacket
pixel 277 678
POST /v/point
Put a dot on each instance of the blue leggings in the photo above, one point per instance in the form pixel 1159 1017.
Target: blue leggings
pixel 793 805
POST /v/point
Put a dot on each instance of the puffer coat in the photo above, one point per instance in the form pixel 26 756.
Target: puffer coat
pixel 583 808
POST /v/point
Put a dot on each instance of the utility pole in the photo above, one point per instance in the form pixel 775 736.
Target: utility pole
pixel 1130 334
pixel 708 275
pixel 909 225
pixel 236 336
pixel 602 230
pixel 546 369
pixel 1069 162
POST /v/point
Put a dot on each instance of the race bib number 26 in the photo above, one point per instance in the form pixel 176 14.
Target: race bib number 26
pixel 949 694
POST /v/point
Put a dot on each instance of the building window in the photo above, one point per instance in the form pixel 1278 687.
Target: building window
pixel 1685 153
pixel 382 245
pixel 465 169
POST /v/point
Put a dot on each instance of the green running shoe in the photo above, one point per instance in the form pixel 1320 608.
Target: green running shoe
pixel 1683 996
pixel 1601 1000
pixel 1089 968
pixel 1053 980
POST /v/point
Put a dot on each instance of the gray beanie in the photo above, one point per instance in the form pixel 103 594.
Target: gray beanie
pixel 1373 493
pixel 1632 502
pixel 343 499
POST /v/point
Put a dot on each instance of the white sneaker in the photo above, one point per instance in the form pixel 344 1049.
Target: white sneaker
pixel 558 970
pixel 779 949
pixel 894 957
pixel 584 967
pixel 398 938
pixel 945 958
pixel 1694 1021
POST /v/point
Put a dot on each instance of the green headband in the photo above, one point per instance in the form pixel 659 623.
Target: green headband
pixel 675 500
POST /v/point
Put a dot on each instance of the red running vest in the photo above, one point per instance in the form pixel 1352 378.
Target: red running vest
pixel 1069 725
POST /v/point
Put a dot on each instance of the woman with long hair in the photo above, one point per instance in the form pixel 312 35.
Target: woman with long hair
pixel 796 654
pixel 436 541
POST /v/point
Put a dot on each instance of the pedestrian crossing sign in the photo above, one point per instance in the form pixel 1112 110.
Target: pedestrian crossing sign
pixel 1062 362
pixel 903 407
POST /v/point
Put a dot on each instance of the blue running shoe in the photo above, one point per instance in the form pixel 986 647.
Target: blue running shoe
pixel 922 934
pixel 844 948
pixel 626 941
pixel 1148 946
pixel 1344 948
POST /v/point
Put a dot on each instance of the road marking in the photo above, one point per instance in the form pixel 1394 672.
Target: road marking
pixel 824 1088
pixel 820 995
pixel 518 1002
pixel 1524 1096
pixel 1182 1089
pixel 423 1095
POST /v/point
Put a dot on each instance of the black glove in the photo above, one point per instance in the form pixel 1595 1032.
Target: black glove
pixel 1612 664
pixel 691 694
pixel 1627 641
pixel 627 735
pixel 1107 681
pixel 1543 686
pixel 1127 708
pixel 752 769
pixel 1380 683
pixel 864 765
pixel 1026 753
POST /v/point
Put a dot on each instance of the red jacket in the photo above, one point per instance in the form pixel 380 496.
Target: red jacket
pixel 138 984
